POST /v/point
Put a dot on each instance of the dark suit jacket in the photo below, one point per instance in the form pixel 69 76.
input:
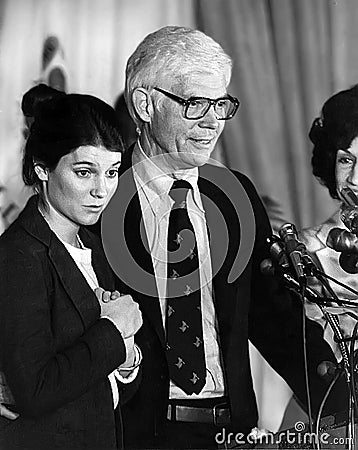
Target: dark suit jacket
pixel 55 350
pixel 247 304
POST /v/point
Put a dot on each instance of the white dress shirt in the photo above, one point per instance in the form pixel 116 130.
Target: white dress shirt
pixel 153 186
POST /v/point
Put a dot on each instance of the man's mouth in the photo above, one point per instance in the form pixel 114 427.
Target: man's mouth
pixel 203 141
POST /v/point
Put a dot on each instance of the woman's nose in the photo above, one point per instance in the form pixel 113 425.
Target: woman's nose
pixel 353 175
pixel 99 189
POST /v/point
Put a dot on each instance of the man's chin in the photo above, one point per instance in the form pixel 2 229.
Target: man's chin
pixel 195 159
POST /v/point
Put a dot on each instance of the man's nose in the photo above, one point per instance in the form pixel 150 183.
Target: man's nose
pixel 210 120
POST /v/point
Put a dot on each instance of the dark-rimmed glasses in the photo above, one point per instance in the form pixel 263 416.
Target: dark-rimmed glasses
pixel 196 107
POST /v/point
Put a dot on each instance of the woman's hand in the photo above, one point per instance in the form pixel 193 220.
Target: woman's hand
pixel 5 412
pixel 122 310
pixel 106 296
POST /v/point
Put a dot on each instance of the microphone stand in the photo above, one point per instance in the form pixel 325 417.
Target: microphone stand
pixel 347 357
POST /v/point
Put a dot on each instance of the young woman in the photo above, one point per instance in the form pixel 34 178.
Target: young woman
pixel 67 338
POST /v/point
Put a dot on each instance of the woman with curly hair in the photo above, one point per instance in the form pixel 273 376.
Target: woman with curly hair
pixel 335 164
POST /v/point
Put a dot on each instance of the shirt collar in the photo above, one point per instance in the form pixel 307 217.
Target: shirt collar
pixel 156 183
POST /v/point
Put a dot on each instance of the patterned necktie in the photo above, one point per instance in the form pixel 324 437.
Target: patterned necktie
pixel 185 347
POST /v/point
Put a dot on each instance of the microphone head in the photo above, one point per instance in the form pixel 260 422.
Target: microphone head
pixel 342 240
pixel 349 262
pixel 349 196
pixel 333 238
pixel 288 233
pixel 267 267
pixel 277 251
pixel 349 216
pixel 287 230
pixel 327 370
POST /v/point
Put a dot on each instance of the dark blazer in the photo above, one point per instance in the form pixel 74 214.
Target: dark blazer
pixel 247 304
pixel 55 350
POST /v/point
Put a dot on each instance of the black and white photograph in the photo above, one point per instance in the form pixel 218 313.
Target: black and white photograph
pixel 178 224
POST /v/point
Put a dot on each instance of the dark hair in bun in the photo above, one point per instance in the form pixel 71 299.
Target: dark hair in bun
pixel 334 130
pixel 33 98
pixel 61 124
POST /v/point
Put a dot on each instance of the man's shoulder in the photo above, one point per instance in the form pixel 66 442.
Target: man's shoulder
pixel 223 176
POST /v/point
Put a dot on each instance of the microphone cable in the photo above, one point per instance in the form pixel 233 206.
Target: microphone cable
pixel 352 366
pixel 323 402
pixel 343 285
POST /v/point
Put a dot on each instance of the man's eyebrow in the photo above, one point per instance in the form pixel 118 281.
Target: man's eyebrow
pixel 203 96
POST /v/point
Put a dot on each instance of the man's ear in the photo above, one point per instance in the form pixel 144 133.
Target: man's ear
pixel 41 171
pixel 142 104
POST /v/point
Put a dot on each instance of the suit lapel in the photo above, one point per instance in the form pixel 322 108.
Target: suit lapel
pixel 127 246
pixel 139 247
pixel 224 236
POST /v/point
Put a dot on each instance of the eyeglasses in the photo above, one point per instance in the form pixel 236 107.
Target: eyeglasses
pixel 196 107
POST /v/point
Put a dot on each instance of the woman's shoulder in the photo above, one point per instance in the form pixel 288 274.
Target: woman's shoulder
pixel 27 233
pixel 308 235
pixel 315 237
pixel 16 240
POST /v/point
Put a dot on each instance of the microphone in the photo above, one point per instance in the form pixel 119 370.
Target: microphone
pixel 346 243
pixel 268 268
pixel 349 262
pixel 277 251
pixel 294 250
pixel 342 240
pixel 328 370
pixel 349 216
pixel 278 261
pixel 349 196
pixel 349 211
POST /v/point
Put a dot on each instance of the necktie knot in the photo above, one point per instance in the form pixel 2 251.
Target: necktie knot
pixel 179 191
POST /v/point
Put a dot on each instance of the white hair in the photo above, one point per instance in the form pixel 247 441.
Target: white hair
pixel 173 53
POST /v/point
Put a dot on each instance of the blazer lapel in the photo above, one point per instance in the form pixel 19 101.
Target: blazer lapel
pixel 77 288
pixel 99 260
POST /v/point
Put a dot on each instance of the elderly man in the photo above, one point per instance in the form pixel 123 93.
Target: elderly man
pixel 190 248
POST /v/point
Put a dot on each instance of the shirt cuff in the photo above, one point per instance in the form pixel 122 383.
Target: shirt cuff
pixel 132 369
pixel 126 380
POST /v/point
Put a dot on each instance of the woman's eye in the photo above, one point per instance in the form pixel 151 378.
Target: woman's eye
pixel 83 173
pixel 345 161
pixel 112 173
